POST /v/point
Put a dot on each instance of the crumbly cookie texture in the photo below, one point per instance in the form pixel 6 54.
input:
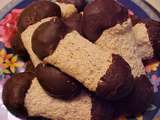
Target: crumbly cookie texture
pixel 27 37
pixel 120 40
pixel 67 9
pixel 143 45
pixel 37 102
pixel 81 59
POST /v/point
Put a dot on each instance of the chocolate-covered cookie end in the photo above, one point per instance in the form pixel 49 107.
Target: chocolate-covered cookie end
pixel 47 36
pixel 138 101
pixel 14 92
pixel 118 80
pixel 56 83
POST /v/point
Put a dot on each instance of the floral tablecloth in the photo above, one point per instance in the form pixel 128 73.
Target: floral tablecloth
pixel 11 63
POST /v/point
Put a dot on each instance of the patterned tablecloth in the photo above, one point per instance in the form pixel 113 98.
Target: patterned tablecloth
pixel 11 63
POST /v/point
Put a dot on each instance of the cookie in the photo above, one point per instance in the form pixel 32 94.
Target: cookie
pixel 120 40
pixel 39 105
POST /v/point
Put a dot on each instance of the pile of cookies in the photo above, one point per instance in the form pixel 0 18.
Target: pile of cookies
pixel 87 62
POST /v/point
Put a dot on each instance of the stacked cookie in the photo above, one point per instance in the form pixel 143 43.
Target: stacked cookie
pixel 87 62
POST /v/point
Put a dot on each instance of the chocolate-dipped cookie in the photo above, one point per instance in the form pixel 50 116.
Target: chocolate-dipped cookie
pixel 120 40
pixel 73 56
pixel 37 11
pixel 56 83
pixel 138 101
pixel 14 93
pixel 80 4
pixel 39 105
pixel 48 34
pixel 100 15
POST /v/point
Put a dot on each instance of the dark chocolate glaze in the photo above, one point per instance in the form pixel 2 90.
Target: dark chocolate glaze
pixel 18 46
pixel 29 67
pixel 153 28
pixel 138 101
pixel 118 80
pixel 74 22
pixel 14 92
pixel 100 15
pixel 101 110
pixel 149 60
pixel 47 36
pixel 37 118
pixel 37 11
pixel 56 83
pixel 80 4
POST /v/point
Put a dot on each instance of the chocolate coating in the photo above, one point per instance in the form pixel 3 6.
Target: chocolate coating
pixel 37 118
pixel 150 60
pixel 101 110
pixel 100 15
pixel 80 4
pixel 37 11
pixel 74 22
pixel 153 29
pixel 18 46
pixel 118 80
pixel 47 36
pixel 56 83
pixel 138 101
pixel 14 93
pixel 29 66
